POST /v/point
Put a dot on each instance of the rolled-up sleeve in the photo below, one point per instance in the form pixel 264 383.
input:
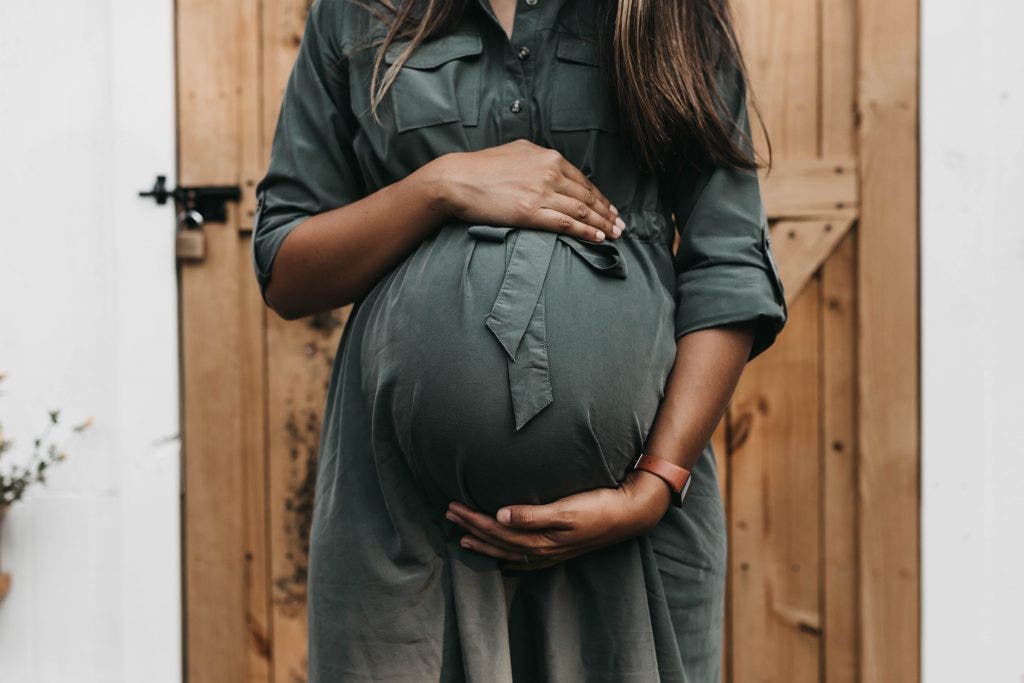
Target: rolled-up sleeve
pixel 312 167
pixel 725 271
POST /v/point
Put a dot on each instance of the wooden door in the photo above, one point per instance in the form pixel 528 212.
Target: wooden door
pixel 820 443
pixel 819 449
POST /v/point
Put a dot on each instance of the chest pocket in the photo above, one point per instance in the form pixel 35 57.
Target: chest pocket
pixel 582 98
pixel 439 83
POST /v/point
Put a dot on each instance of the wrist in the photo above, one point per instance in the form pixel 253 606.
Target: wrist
pixel 440 189
pixel 650 493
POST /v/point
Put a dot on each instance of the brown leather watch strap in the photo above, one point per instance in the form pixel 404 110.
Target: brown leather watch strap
pixel 675 476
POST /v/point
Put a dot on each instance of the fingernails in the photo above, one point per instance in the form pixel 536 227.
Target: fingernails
pixel 504 515
pixel 465 544
pixel 599 236
pixel 612 206
pixel 617 227
pixel 450 516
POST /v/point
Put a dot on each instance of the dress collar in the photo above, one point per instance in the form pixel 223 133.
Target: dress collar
pixel 545 10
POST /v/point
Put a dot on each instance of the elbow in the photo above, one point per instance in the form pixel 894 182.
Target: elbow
pixel 286 307
pixel 295 305
pixel 286 313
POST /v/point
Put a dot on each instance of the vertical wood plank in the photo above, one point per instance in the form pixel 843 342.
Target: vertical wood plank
pixel 888 341
pixel 252 156
pixel 254 449
pixel 774 620
pixel 839 514
pixel 300 356
pixel 780 44
pixel 840 608
pixel 217 326
pixel 226 585
pixel 283 25
pixel 774 498
pixel 838 78
pixel 253 349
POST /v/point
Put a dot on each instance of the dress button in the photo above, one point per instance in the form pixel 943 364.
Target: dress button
pixel 524 52
pixel 531 3
pixel 516 106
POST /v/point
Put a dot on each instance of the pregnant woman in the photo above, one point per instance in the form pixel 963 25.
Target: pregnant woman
pixel 530 376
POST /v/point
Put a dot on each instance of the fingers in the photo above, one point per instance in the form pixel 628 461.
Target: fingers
pixel 514 561
pixel 578 178
pixel 518 564
pixel 556 221
pixel 584 213
pixel 489 530
pixel 574 204
pixel 481 546
pixel 587 193
pixel 550 516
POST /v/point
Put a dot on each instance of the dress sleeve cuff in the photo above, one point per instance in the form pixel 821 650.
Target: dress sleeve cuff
pixel 720 294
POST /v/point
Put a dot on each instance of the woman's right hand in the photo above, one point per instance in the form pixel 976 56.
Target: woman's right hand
pixel 523 185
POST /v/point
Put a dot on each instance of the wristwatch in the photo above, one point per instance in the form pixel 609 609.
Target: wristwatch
pixel 678 478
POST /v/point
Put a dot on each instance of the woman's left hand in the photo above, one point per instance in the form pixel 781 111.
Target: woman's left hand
pixel 531 537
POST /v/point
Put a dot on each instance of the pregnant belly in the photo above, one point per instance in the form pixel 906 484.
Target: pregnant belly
pixel 513 367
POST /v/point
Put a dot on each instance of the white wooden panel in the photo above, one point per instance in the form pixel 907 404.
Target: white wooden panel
pixel 972 252
pixel 88 311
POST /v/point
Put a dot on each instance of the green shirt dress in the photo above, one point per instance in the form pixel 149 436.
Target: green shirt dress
pixel 497 365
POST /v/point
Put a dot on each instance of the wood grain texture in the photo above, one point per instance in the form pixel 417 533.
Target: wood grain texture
pixel 253 351
pixel 888 340
pixel 839 472
pixel 300 354
pixel 773 588
pixel 801 248
pixel 838 79
pixel 222 349
pixel 211 335
pixel 774 499
pixel 797 188
pixel 251 149
pixel 780 41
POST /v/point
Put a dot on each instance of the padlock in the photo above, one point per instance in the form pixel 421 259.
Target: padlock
pixel 190 244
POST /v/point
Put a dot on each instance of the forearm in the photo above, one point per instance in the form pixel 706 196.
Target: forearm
pixel 707 368
pixel 333 258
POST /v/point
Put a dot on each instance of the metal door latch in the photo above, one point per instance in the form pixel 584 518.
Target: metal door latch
pixel 197 206
pixel 203 204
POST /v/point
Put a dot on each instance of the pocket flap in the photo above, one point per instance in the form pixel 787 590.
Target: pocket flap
pixel 572 48
pixel 433 53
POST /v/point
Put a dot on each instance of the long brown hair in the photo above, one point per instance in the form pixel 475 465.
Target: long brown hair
pixel 668 58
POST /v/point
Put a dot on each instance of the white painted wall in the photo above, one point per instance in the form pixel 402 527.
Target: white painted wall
pixel 972 250
pixel 88 324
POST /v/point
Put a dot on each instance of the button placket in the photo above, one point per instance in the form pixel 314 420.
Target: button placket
pixel 518 120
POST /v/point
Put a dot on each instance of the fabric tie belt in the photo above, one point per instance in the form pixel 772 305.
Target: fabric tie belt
pixel 517 317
